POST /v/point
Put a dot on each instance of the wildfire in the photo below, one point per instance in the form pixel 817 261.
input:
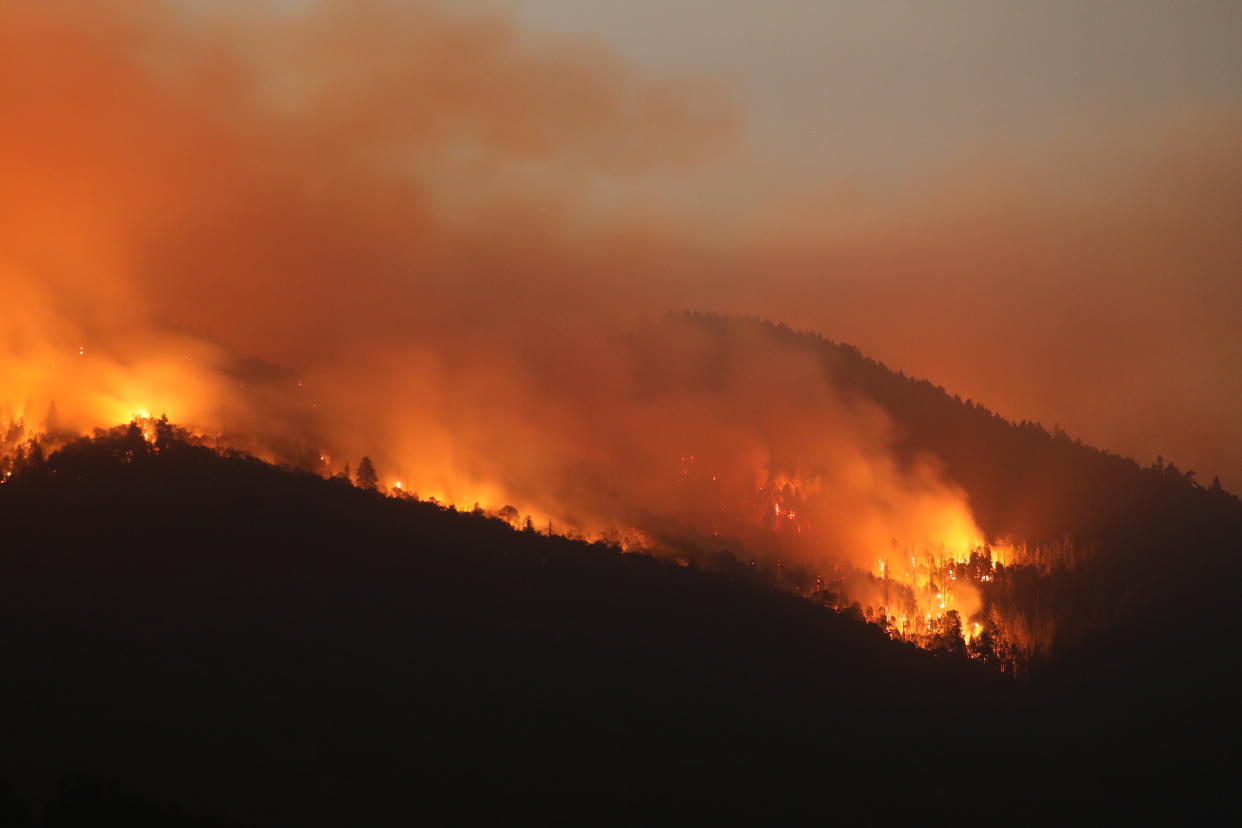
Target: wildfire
pixel 367 313
pixel 937 580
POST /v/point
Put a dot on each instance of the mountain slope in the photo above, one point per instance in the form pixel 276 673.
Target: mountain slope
pixel 1123 547
pixel 223 637
pixel 1023 480
pixel 242 640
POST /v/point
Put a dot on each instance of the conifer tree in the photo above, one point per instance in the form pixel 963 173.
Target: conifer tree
pixel 365 477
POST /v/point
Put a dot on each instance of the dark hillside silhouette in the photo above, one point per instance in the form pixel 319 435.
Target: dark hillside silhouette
pixel 244 640
pixel 208 635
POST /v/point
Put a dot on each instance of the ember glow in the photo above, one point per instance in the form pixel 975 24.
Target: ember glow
pixel 324 230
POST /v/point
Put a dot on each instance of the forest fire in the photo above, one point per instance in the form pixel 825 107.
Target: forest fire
pixel 430 412
pixel 923 588
pixel 766 465
pixel 252 267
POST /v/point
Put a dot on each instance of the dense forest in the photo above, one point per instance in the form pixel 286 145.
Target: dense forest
pixel 194 637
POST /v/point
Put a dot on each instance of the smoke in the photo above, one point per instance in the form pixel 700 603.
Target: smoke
pixel 401 206
pixel 1090 285
pixel 420 216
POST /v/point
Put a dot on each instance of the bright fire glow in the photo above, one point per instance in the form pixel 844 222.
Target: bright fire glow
pixel 259 266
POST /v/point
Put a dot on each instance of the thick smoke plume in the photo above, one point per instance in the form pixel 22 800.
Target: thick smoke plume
pixel 421 218
pixel 401 207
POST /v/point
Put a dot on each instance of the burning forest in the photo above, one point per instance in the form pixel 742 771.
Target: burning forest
pixel 793 481
pixel 226 203
pixel 179 203
pixel 474 271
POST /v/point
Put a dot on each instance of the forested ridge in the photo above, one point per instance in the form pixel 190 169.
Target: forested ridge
pixel 198 638
pixel 1110 546
pixel 1024 480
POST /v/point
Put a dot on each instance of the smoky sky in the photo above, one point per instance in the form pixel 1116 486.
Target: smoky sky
pixel 1031 203
pixel 440 219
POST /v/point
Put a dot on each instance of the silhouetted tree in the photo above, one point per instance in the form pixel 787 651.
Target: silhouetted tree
pixel 983 646
pixel 366 477
pixel 948 632
pixel 167 435
pixel 134 444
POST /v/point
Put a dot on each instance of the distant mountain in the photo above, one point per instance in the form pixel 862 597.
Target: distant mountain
pixel 197 638
pixel 1024 481
pixel 1117 552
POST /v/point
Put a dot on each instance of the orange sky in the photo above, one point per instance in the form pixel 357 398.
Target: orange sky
pixel 348 188
pixel 1033 204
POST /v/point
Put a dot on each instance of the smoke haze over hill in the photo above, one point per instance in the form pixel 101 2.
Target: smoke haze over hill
pixel 426 218
pixel 537 289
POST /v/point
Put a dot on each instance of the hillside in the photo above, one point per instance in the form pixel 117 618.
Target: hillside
pixel 1114 551
pixel 244 640
pixel 228 638
pixel 1024 480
